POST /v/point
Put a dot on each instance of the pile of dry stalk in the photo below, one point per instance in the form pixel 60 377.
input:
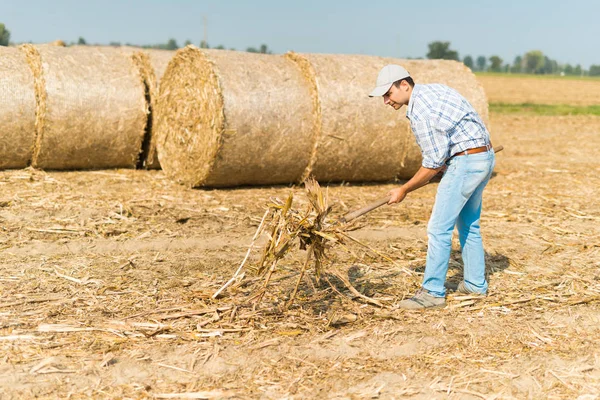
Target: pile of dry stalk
pixel 313 230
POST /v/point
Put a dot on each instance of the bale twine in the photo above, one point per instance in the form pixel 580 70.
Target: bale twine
pixel 152 64
pixel 360 139
pixel 17 109
pixel 91 108
pixel 233 118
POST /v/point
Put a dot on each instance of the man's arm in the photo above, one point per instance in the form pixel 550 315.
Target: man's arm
pixel 421 178
pixel 432 137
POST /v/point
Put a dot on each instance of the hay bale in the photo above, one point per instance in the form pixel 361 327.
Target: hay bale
pixel 152 64
pixel 58 42
pixel 360 139
pixel 228 118
pixel 91 108
pixel 17 109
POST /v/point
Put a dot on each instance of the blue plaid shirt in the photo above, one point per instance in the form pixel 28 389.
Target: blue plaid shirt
pixel 444 123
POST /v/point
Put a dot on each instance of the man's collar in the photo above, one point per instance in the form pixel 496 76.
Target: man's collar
pixel 411 101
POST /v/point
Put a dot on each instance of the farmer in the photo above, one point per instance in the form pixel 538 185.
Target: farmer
pixel 452 137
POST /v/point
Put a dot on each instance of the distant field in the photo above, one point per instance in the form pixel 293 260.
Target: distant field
pixel 532 76
pixel 536 89
pixel 544 109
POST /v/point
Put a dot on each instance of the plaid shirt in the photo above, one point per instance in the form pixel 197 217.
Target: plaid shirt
pixel 444 123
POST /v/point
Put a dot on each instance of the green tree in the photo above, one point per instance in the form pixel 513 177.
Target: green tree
pixel 495 64
pixel 468 61
pixel 172 45
pixel 568 70
pixel 4 35
pixel 441 51
pixel 187 43
pixel 550 66
pixel 81 41
pixel 262 49
pixel 578 70
pixel 221 47
pixel 534 62
pixel 594 70
pixel 481 63
pixel 517 66
pixel 204 44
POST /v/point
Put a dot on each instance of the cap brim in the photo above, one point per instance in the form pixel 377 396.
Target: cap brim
pixel 380 90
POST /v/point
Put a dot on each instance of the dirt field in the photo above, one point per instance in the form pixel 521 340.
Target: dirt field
pixel 106 279
pixel 555 90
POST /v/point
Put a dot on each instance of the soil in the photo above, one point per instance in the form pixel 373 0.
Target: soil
pixel 505 88
pixel 106 280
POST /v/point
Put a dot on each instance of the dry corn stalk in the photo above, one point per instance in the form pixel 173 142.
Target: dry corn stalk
pixel 312 229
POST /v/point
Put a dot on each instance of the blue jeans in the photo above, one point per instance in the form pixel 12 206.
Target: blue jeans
pixel 458 203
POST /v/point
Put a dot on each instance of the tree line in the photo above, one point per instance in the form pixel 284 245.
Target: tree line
pixel 532 62
pixel 171 44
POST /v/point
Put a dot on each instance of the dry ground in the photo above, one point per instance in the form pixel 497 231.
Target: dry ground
pixel 554 90
pixel 106 278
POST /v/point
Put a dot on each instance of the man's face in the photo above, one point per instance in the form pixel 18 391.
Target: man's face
pixel 397 96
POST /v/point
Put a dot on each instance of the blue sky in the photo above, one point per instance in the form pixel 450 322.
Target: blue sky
pixel 566 31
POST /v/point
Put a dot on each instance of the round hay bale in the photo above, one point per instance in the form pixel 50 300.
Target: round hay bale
pixel 17 109
pixel 360 139
pixel 91 107
pixel 152 64
pixel 58 42
pixel 227 118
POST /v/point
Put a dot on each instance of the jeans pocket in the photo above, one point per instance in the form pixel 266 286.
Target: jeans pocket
pixel 475 174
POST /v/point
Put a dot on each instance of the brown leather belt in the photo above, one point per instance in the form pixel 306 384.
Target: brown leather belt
pixel 474 150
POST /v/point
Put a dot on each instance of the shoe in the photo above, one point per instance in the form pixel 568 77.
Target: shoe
pixel 461 288
pixel 421 300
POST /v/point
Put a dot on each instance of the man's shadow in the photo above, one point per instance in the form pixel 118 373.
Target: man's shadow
pixel 357 276
pixel 494 263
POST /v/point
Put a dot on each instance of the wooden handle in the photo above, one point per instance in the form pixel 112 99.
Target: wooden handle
pixel 357 213
pixel 384 200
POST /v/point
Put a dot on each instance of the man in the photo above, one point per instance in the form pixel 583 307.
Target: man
pixel 450 134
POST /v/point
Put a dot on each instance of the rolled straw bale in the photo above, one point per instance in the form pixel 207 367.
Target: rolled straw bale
pixel 92 109
pixel 152 64
pixel 58 42
pixel 230 118
pixel 17 109
pixel 360 139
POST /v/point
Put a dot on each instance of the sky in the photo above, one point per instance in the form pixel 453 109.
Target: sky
pixel 566 31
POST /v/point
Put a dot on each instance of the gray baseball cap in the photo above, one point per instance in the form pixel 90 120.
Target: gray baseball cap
pixel 387 76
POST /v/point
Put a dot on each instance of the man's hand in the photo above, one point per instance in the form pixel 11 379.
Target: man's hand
pixel 421 178
pixel 397 195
